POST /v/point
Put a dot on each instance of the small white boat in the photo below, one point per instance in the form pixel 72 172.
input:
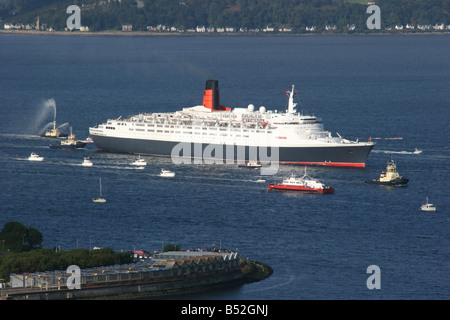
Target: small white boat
pixel 251 165
pixel 35 157
pixel 166 173
pixel 87 162
pixel 99 199
pixel 417 151
pixel 428 206
pixel 88 140
pixel 139 162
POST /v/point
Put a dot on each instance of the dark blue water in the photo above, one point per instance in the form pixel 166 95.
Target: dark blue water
pixel 382 87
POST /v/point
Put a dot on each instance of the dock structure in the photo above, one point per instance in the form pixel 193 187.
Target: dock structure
pixel 164 274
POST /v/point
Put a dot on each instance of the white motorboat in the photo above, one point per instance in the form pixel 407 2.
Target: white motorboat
pixel 99 199
pixel 35 157
pixel 139 162
pixel 428 206
pixel 417 151
pixel 87 162
pixel 88 140
pixel 166 173
pixel 251 165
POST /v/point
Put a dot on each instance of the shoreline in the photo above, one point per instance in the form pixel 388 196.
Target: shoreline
pixel 215 34
pixel 146 288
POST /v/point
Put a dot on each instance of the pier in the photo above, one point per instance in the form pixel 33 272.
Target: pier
pixel 169 273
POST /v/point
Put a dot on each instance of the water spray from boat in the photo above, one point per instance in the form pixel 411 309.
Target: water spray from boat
pixel 50 129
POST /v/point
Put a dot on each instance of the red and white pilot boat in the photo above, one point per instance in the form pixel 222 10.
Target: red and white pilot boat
pixel 303 184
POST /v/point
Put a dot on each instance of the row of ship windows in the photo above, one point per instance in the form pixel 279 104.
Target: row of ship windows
pixel 160 126
pixel 177 127
pixel 189 132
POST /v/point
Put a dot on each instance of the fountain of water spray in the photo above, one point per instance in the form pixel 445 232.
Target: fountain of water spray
pixel 46 109
pixel 64 126
pixel 43 112
pixel 45 128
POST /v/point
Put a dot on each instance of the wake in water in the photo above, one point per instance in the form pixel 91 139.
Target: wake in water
pixel 416 151
pixel 286 282
pixel 398 152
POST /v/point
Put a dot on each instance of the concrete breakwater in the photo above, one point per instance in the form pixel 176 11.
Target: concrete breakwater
pixel 166 274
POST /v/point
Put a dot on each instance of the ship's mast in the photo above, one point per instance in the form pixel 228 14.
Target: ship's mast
pixel 291 104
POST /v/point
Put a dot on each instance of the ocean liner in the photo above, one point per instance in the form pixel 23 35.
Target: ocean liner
pixel 213 131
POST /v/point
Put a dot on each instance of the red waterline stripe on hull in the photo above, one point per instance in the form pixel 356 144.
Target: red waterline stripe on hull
pixel 333 164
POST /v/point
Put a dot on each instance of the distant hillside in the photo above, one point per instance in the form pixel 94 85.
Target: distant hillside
pixel 295 15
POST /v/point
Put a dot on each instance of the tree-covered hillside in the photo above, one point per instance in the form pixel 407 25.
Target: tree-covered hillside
pixel 246 14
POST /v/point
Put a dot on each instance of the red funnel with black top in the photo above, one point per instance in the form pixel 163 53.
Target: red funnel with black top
pixel 211 98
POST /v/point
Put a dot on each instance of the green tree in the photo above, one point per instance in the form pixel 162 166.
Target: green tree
pixel 16 237
pixel 171 247
pixel 47 260
pixel 33 237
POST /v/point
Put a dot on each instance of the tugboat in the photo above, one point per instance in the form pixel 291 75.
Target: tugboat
pixel 390 177
pixel 304 184
pixel 69 143
pixel 54 132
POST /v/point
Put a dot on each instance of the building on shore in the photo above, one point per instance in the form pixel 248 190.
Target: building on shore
pixel 163 272
pixel 127 27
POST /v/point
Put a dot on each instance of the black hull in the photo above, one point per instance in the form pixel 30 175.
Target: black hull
pixel 394 183
pixel 79 145
pixel 62 135
pixel 249 167
pixel 349 155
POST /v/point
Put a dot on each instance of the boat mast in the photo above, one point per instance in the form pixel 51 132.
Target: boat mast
pixel 291 104
pixel 100 187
